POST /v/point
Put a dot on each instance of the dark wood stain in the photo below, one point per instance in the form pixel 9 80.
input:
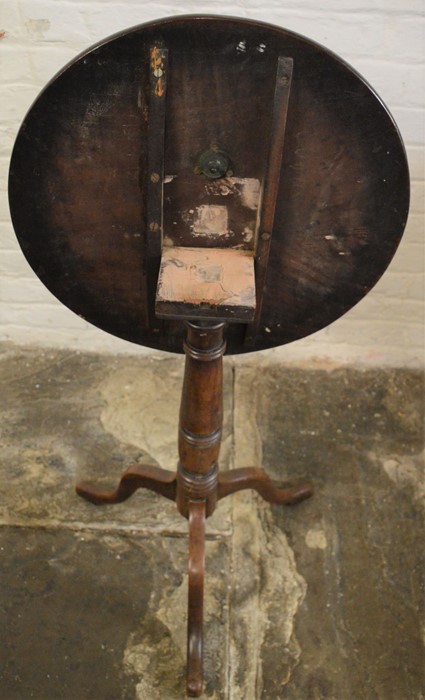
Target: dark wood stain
pixel 79 166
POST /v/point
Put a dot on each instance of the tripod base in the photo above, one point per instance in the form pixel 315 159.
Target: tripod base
pixel 197 485
pixel 165 483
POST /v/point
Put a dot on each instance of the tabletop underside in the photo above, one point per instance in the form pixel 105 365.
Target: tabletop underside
pixel 79 177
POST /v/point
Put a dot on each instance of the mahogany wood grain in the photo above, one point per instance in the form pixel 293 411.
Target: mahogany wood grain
pixel 201 409
pixel 152 176
pixel 197 485
pixel 135 477
pixel 196 573
pixel 271 182
pixel 257 479
pixel 80 162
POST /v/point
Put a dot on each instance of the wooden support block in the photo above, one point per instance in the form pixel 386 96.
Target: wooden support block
pixel 206 283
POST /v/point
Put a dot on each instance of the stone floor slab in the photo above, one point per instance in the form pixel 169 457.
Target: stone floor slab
pixel 67 417
pixel 358 436
pixel 323 601
pixel 102 617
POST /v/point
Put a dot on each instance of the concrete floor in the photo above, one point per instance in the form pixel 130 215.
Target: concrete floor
pixel 320 601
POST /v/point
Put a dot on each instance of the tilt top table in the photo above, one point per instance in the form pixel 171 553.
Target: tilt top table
pixel 202 181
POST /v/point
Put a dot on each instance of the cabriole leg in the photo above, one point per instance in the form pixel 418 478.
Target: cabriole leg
pixel 139 476
pixel 196 597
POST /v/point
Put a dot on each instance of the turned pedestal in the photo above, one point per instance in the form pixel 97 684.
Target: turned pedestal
pixel 197 485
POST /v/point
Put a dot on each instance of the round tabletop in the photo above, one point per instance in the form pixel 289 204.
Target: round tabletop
pixel 79 171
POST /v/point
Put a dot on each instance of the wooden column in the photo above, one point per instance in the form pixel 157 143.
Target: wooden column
pixel 201 415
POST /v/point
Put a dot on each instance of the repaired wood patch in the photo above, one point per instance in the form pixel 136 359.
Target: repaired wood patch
pixel 211 213
pixel 206 282
pixel 211 219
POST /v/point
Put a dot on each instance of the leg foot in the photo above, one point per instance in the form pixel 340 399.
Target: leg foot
pixel 196 597
pixel 257 479
pixel 138 476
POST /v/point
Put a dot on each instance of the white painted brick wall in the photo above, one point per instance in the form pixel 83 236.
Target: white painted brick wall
pixel 383 39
